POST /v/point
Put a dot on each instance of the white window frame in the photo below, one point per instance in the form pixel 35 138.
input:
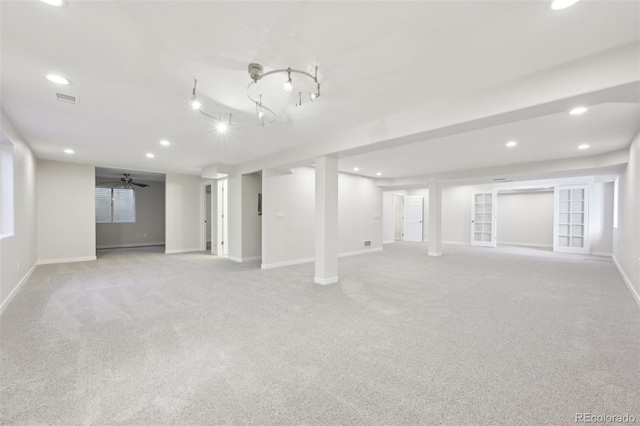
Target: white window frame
pixel 112 214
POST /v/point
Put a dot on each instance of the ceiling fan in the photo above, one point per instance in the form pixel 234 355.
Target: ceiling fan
pixel 125 182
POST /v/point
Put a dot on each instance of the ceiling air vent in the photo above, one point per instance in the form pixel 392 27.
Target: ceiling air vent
pixel 499 179
pixel 67 99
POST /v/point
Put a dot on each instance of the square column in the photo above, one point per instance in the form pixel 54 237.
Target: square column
pixel 326 220
pixel 435 219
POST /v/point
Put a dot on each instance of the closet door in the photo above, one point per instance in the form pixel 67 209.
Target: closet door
pixel 483 219
pixel 571 219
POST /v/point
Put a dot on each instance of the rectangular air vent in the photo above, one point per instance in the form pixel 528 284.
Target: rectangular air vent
pixel 367 243
pixel 67 99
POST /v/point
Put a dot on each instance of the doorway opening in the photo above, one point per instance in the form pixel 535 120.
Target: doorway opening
pixel 213 229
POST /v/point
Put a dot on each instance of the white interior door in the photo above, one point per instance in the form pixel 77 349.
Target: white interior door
pixel 571 219
pixel 483 219
pixel 412 219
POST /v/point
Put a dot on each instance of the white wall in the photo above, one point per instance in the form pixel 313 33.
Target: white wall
pixel 601 218
pixel 251 221
pixel 359 213
pixel 456 214
pixel 525 218
pixel 18 255
pixel 626 238
pixel 387 217
pixel 291 238
pixel 149 227
pixel 292 197
pixel 182 213
pixel 66 212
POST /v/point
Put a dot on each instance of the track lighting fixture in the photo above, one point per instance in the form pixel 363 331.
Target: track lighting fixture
pixel 195 103
pixel 266 116
pixel 288 85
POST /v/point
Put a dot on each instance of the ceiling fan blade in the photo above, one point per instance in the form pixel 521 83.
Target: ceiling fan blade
pixel 144 185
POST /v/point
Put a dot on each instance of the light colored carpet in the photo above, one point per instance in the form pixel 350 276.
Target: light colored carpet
pixel 477 336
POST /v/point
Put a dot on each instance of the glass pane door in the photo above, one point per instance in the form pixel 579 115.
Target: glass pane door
pixel 571 219
pixel 483 223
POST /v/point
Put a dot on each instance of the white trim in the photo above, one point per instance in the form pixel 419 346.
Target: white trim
pixel 188 250
pixel 325 281
pixel 600 253
pixel 66 260
pixel 287 263
pixel 458 243
pixel 16 288
pixel 389 242
pixel 244 259
pixel 355 253
pixel 634 293
pixel 434 253
pixel 508 243
pixel 129 245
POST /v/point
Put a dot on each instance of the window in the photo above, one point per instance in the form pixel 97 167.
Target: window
pixel 115 205
pixel 6 187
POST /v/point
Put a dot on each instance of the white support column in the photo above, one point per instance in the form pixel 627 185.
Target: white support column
pixel 435 219
pixel 326 220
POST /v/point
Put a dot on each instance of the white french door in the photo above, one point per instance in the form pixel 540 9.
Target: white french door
pixel 412 219
pixel 571 219
pixel 483 219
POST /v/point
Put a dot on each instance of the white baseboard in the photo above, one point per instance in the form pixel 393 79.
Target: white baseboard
pixel 129 245
pixel 17 288
pixel 634 293
pixel 355 253
pixel 287 263
pixel 601 253
pixel 66 260
pixel 325 281
pixel 506 243
pixel 188 250
pixel 434 253
pixel 244 259
pixel 458 243
pixel 389 242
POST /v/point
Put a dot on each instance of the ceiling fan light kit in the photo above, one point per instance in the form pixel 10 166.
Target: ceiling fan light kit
pixel 126 182
pixel 266 116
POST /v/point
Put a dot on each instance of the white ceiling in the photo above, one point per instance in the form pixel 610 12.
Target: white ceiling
pixel 132 65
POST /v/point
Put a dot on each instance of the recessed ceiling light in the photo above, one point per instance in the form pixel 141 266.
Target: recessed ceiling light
pixel 355 169
pixel 511 144
pixel 165 142
pixel 379 174
pixel 150 155
pixel 68 151
pixel 583 146
pixel 58 79
pixel 562 4
pixel 578 111
pixel 57 3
